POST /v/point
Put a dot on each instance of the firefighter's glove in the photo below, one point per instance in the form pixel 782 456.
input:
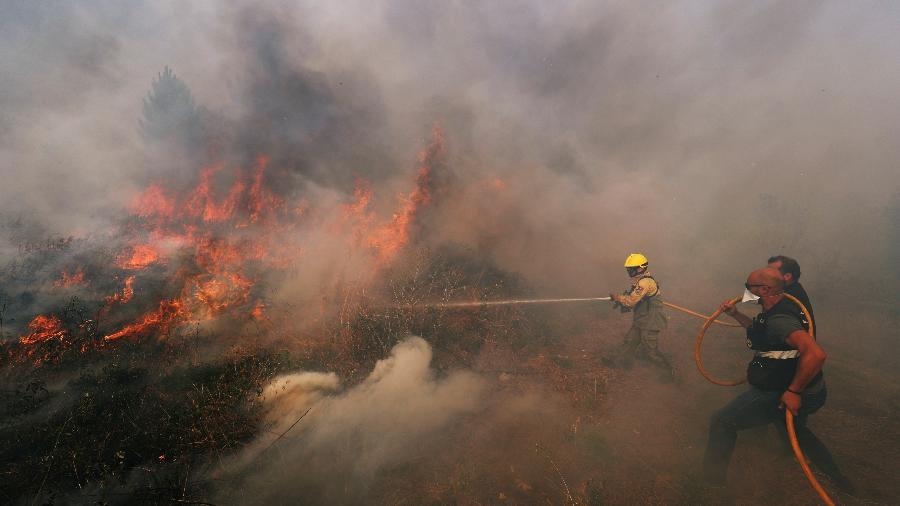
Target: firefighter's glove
pixel 617 304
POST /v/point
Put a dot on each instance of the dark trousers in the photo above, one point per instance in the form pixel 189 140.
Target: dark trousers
pixel 639 342
pixel 754 408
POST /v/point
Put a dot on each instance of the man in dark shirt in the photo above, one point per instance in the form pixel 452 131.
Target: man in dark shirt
pixel 785 373
pixel 790 273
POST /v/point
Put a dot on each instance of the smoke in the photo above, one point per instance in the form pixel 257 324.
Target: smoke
pixel 624 128
pixel 708 136
pixel 344 439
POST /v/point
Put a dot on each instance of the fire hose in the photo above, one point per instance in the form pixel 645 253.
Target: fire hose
pixel 548 301
pixel 789 417
pixel 694 313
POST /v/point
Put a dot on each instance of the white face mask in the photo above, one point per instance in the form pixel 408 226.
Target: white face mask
pixel 749 297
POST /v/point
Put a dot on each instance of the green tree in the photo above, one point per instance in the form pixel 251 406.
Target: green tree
pixel 169 113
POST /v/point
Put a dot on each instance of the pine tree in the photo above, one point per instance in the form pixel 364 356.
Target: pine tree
pixel 170 114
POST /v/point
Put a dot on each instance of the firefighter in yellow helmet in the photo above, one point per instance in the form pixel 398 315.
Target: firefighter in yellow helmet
pixel 644 301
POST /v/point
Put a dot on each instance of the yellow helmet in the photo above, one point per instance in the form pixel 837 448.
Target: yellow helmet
pixel 636 260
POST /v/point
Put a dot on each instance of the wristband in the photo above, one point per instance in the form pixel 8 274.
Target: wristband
pixel 794 392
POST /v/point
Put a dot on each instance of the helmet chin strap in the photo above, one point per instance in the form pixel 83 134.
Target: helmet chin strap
pixel 634 272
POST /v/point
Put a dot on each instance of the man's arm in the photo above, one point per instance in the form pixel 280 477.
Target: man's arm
pixel 812 357
pixel 645 287
pixel 729 308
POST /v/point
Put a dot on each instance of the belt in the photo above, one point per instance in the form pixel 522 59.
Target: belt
pixel 778 354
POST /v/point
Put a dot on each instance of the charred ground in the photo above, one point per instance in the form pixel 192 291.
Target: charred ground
pixel 164 273
pixel 155 421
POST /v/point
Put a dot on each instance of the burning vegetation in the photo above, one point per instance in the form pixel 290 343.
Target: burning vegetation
pixel 272 291
pixel 154 370
pixel 152 366
pixel 251 330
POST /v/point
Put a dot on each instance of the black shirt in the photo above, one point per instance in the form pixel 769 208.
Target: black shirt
pixel 799 292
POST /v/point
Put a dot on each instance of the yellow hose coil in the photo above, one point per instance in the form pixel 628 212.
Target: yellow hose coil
pixel 694 313
pixel 699 342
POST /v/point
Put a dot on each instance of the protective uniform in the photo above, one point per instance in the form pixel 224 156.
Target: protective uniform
pixel 645 302
pixel 644 299
pixel 649 320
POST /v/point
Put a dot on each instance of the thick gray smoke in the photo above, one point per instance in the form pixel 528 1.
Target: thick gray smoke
pixel 345 439
pixel 706 135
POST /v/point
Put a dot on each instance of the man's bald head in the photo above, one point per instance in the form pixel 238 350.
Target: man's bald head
pixel 768 276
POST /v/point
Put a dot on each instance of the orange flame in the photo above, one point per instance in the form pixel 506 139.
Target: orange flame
pixel 388 239
pixel 67 280
pixel 212 254
pixel 222 292
pixel 262 200
pixel 153 202
pixel 197 223
pixel 168 312
pixel 362 195
pixel 258 311
pixel 140 257
pixel 43 328
pixel 391 237
pixel 203 204
pixel 125 295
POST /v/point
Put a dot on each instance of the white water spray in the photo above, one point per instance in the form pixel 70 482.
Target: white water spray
pixel 507 302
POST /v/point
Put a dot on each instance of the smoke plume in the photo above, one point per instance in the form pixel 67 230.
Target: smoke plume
pixel 346 438
pixel 254 169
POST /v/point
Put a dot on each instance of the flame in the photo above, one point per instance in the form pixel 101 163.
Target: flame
pixel 168 312
pixel 123 296
pixel 139 257
pixel 223 292
pixel 203 204
pixel 391 237
pixel 216 254
pixel 258 311
pixel 43 328
pixel 230 227
pixel 262 201
pixel 362 196
pixel 223 238
pixel 388 239
pixel 154 202
pixel 67 280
